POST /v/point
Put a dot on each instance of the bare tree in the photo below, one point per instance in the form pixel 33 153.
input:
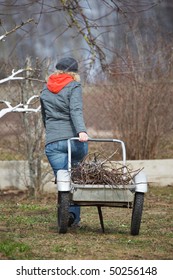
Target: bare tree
pixel 28 133
pixel 91 29
pixel 136 104
pixel 31 126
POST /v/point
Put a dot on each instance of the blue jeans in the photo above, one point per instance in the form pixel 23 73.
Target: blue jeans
pixel 57 154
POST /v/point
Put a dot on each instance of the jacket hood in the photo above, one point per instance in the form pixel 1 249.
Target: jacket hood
pixel 58 81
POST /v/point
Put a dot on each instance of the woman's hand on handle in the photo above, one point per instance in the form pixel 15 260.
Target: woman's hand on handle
pixel 83 137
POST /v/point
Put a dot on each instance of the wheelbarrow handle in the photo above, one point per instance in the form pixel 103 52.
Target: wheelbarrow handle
pixel 97 140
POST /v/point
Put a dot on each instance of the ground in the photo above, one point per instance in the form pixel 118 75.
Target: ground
pixel 28 230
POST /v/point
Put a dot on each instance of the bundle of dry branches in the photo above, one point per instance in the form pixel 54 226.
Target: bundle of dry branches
pixel 102 172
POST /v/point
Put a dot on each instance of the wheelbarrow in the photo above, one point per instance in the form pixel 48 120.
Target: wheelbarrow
pixel 126 196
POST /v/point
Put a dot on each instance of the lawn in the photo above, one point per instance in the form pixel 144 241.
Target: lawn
pixel 28 230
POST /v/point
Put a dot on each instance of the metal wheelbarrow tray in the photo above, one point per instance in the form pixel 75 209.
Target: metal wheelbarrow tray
pixel 127 196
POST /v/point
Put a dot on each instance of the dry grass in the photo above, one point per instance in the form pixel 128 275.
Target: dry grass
pixel 28 230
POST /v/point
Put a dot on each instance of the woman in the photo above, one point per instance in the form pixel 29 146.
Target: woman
pixel 62 113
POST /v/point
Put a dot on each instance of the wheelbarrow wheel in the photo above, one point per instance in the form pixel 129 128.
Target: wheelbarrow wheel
pixel 63 211
pixel 137 213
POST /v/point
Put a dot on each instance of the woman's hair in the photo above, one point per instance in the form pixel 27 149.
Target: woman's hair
pixel 74 75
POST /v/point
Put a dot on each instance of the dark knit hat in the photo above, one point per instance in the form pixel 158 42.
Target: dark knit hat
pixel 67 64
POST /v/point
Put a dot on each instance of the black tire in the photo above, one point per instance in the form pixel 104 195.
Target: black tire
pixel 137 213
pixel 63 211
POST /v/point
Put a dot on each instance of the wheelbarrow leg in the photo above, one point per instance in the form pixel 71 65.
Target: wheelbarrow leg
pixel 101 218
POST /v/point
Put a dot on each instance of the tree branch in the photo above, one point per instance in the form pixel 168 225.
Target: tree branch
pixel 15 28
pixel 13 76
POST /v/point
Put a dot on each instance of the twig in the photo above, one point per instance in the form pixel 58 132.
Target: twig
pixel 15 28
pixel 95 172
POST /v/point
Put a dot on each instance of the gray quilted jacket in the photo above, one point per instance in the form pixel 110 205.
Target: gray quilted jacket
pixel 62 113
